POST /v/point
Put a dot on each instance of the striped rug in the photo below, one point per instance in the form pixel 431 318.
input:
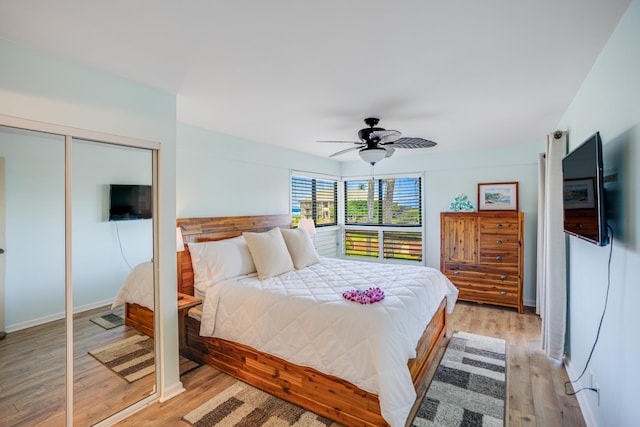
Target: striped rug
pixel 243 405
pixel 469 387
pixel 133 358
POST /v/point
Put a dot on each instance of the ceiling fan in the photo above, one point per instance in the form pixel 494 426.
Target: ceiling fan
pixel 377 143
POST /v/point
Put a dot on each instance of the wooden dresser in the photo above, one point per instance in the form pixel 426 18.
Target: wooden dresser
pixel 482 254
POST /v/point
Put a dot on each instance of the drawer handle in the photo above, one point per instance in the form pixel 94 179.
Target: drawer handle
pixel 498 242
pixel 503 292
pixel 499 257
pixel 456 273
pixel 498 225
pixel 503 277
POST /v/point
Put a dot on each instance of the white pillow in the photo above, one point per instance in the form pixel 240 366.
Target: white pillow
pixel 220 260
pixel 300 247
pixel 269 252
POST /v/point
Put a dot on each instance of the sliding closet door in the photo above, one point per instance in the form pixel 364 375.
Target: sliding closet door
pixel 113 363
pixel 32 355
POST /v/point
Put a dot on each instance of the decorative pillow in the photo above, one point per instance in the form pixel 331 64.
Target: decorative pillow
pixel 300 247
pixel 269 252
pixel 220 260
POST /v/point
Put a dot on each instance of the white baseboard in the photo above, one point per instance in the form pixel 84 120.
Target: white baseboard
pixel 585 406
pixel 56 316
pixel 171 391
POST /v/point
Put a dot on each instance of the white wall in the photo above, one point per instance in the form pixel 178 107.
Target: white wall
pixel 449 173
pixel 609 102
pixel 221 175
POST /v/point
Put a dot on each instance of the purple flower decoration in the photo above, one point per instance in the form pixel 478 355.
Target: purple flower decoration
pixel 368 296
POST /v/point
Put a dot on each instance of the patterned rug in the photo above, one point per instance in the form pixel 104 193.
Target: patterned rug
pixel 133 358
pixel 110 320
pixel 243 405
pixel 468 388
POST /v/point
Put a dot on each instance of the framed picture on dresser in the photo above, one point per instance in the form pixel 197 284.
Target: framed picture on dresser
pixel 498 196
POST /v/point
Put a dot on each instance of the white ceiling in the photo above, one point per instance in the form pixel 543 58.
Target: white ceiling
pixel 463 73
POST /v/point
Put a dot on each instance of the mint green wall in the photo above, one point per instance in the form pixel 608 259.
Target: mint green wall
pixel 609 102
pixel 220 175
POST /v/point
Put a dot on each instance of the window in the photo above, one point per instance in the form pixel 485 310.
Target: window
pixel 314 198
pixel 383 218
pixel 390 201
pixel 361 243
pixel 402 245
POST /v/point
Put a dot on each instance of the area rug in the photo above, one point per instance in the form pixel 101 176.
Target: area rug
pixel 109 320
pixel 469 386
pixel 243 405
pixel 133 358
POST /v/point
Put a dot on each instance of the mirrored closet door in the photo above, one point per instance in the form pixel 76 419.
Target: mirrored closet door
pixel 66 258
pixel 32 355
pixel 112 244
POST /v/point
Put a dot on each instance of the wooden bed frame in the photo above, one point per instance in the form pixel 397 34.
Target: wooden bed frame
pixel 326 395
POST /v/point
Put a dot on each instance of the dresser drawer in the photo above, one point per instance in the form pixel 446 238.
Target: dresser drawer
pixel 499 256
pixel 489 296
pixel 499 226
pixel 499 240
pixel 506 276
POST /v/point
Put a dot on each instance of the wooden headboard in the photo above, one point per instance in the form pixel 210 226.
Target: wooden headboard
pixel 218 228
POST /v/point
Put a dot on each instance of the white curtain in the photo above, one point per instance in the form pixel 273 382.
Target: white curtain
pixel 551 295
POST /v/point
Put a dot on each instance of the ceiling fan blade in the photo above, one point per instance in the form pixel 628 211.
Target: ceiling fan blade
pixel 411 143
pixel 346 151
pixel 385 134
pixel 389 139
pixel 390 151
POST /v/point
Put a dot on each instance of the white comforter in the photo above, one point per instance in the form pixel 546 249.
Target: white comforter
pixel 137 287
pixel 301 316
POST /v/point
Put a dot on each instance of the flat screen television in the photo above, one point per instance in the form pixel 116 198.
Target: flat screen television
pixel 128 202
pixel 584 196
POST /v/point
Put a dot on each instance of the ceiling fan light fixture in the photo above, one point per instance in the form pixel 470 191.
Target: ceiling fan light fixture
pixel 372 154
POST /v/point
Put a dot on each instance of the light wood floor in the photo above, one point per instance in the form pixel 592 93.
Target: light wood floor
pixel 535 384
pixel 32 375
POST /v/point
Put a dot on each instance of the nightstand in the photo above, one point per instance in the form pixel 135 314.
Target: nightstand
pixel 185 302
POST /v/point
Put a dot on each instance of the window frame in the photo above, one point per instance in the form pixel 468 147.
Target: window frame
pixel 316 176
pixel 382 228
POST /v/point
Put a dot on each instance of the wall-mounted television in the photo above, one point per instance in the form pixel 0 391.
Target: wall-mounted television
pixel 128 202
pixel 584 196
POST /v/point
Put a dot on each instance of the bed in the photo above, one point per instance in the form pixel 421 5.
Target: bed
pixel 136 294
pixel 328 394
